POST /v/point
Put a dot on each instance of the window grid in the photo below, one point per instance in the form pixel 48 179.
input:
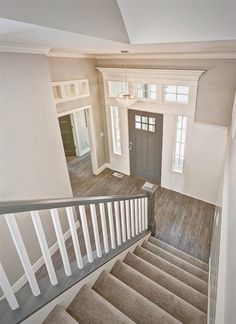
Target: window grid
pixel 180 140
pixel 145 91
pixel 115 124
pixel 178 94
pixel 117 88
pixel 145 123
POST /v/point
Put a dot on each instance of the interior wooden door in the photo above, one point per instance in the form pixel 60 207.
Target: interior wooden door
pixel 145 137
pixel 67 135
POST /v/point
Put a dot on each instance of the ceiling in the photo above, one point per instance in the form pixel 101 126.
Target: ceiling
pixel 97 27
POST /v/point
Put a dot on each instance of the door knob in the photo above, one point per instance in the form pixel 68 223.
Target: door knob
pixel 130 146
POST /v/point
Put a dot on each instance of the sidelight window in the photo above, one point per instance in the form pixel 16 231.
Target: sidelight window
pixel 179 147
pixel 116 133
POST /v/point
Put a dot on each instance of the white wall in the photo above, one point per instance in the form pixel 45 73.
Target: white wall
pixel 32 161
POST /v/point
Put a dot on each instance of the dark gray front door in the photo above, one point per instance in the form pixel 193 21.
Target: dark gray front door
pixel 67 135
pixel 145 137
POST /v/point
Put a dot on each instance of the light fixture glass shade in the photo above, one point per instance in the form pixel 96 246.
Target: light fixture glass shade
pixel 126 100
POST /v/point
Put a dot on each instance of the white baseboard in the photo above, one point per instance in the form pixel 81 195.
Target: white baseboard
pixel 39 263
pixel 103 167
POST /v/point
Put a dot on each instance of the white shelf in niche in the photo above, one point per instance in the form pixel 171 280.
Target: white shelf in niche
pixel 70 90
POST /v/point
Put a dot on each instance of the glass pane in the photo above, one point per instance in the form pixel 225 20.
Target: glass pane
pixel 151 120
pixel 183 90
pixel 170 89
pixel 145 127
pixel 117 87
pixel 67 90
pixel 151 128
pixel 184 126
pixel 152 95
pixel 152 87
pixel 170 97
pixel 138 125
pixel 137 118
pixel 179 122
pixel 177 150
pixel 144 119
pixel 183 137
pixel 182 98
pixel 178 135
pixel 182 150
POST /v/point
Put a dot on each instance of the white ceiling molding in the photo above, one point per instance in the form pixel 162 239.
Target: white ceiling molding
pixel 68 54
pixel 169 56
pixel 23 48
pixel 148 75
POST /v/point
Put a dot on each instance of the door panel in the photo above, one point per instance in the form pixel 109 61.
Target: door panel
pixel 145 136
pixel 67 135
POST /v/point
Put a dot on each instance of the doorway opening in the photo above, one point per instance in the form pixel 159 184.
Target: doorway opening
pixel 77 134
pixel 145 144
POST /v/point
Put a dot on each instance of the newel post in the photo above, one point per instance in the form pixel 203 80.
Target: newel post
pixel 150 190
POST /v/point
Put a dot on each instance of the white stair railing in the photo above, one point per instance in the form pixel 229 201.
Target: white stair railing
pixel 106 223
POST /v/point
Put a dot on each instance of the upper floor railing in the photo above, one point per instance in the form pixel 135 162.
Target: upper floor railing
pixel 96 224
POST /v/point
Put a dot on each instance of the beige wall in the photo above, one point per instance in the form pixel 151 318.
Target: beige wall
pixel 32 160
pixel 216 87
pixel 76 68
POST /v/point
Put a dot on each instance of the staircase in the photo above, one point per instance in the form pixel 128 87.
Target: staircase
pixel 155 284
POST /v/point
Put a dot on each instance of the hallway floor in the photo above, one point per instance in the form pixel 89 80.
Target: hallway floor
pixel 181 221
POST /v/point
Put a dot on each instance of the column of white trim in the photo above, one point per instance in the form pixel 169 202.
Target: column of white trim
pixel 22 252
pixel 95 230
pixel 143 214
pixel 146 212
pixel 61 241
pixel 74 235
pixel 111 225
pixel 104 227
pixel 44 246
pixel 117 218
pixel 140 215
pixel 86 233
pixel 7 289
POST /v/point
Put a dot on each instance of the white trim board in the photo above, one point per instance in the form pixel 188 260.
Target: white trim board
pixel 39 263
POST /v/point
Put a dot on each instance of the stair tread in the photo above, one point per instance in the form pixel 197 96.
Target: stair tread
pixel 130 302
pixel 185 256
pixel 59 316
pixel 167 281
pixel 196 271
pixel 160 296
pixel 88 307
pixel 173 270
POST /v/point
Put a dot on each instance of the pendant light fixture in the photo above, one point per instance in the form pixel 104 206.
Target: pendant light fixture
pixel 126 99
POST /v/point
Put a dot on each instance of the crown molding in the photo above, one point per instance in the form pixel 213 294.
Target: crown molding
pixel 169 56
pixel 68 54
pixel 191 76
pixel 23 48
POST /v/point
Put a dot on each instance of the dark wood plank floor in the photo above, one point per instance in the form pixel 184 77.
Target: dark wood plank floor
pixel 182 221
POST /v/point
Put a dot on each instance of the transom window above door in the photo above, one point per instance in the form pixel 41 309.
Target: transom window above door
pixel 145 123
pixel 117 88
pixel 145 91
pixel 173 93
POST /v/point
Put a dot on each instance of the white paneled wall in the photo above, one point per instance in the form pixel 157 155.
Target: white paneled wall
pixel 204 157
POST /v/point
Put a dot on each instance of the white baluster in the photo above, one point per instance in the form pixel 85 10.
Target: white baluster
pixel 44 247
pixel 143 215
pixel 132 217
pixel 104 227
pixel 95 230
pixel 86 233
pixel 111 225
pixel 140 215
pixel 23 255
pixel 74 235
pixel 117 218
pixel 136 215
pixel 127 218
pixel 146 212
pixel 7 289
pixel 60 241
pixel 122 212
